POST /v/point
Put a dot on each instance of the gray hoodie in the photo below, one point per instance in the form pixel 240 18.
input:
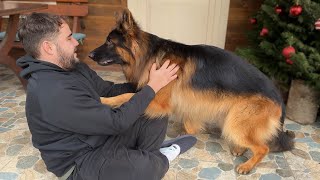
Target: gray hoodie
pixel 64 113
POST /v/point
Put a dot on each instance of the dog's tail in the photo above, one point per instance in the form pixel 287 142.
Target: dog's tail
pixel 284 140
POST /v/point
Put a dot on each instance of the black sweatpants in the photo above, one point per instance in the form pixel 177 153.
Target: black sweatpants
pixel 132 155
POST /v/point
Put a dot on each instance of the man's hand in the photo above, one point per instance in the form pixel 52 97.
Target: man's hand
pixel 163 76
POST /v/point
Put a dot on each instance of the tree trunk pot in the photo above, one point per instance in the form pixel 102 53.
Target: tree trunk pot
pixel 303 103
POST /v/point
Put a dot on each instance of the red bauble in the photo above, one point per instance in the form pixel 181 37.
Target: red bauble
pixel 278 9
pixel 289 61
pixel 253 21
pixel 317 24
pixel 264 32
pixel 295 10
pixel 288 51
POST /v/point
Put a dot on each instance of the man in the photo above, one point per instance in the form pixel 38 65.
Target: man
pixel 78 137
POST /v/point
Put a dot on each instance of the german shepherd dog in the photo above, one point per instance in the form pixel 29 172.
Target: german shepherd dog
pixel 213 87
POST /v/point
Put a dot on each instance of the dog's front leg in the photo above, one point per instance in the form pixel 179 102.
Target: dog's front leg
pixel 116 101
pixel 158 107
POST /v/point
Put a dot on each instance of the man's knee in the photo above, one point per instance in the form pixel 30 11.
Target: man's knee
pixel 158 123
pixel 133 164
pixel 153 168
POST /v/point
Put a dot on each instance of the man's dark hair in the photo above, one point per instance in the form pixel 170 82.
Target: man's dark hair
pixel 35 28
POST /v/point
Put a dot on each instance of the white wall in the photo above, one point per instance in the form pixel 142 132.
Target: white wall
pixel 186 21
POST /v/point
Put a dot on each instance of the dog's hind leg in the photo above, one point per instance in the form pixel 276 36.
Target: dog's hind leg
pixel 259 152
pixel 251 123
pixel 250 141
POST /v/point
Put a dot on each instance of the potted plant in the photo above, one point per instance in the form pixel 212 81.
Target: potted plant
pixel 285 45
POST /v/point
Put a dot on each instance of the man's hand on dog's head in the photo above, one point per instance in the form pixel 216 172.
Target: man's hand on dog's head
pixel 159 78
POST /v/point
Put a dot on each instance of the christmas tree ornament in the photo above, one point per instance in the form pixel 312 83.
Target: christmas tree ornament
pixel 278 9
pixel 287 52
pixel 253 20
pixel 317 24
pixel 295 10
pixel 264 31
pixel 289 61
pixel 288 33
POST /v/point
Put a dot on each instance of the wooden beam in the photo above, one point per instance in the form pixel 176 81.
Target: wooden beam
pixel 72 1
pixel 67 10
pixel 58 1
pixel 32 0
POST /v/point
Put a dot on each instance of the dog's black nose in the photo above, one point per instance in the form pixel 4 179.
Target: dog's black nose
pixel 91 55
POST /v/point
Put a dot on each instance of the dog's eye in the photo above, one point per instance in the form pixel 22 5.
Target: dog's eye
pixel 108 41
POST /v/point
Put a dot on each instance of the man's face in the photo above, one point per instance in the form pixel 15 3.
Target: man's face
pixel 66 47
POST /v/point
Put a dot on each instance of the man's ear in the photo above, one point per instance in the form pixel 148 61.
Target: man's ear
pixel 48 47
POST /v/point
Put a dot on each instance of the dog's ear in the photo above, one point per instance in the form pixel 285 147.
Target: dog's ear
pixel 125 20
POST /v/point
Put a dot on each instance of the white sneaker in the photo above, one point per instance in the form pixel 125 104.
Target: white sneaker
pixel 185 142
pixel 171 152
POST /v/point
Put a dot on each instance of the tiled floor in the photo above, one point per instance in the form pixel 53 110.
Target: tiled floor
pixel 209 159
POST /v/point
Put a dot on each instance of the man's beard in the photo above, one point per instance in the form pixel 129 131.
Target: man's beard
pixel 66 61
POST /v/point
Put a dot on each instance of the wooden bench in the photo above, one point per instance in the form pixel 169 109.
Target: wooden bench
pixel 75 9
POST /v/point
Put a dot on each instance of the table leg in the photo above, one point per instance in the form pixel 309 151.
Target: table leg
pixel 6 46
pixel 11 64
pixel 12 27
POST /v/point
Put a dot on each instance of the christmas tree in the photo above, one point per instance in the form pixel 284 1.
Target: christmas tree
pixel 285 41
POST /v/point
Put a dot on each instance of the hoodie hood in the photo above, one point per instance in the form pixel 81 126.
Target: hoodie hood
pixel 30 65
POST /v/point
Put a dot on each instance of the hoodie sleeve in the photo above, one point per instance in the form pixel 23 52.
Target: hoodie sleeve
pixel 73 109
pixel 118 89
pixel 108 88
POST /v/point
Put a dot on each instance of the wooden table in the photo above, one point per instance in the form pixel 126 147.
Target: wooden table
pixel 13 10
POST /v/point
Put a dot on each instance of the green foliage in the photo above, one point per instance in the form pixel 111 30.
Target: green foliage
pixel 265 52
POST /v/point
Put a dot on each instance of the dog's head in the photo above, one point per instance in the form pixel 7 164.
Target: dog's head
pixel 121 44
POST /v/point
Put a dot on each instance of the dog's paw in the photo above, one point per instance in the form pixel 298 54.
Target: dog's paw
pixel 244 168
pixel 237 151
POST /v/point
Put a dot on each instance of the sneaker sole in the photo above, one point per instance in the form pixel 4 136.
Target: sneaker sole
pixel 185 146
